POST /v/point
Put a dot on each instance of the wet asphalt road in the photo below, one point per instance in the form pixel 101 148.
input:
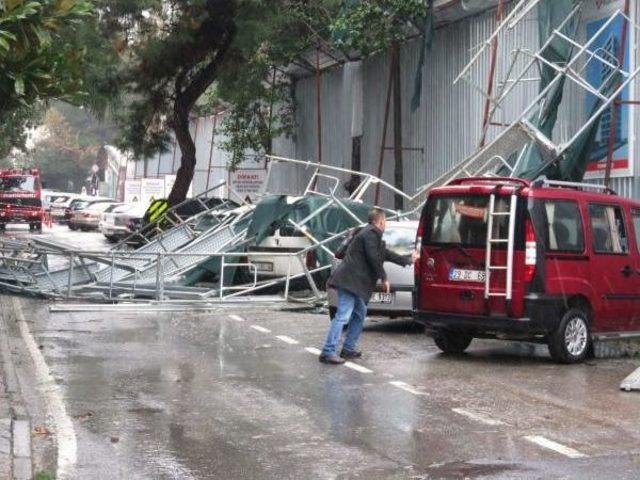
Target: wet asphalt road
pixel 235 393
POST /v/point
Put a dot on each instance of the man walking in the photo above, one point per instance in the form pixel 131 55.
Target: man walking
pixel 355 279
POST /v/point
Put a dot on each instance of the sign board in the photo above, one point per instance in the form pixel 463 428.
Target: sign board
pixel 132 190
pixel 248 182
pixel 151 189
pixel 609 43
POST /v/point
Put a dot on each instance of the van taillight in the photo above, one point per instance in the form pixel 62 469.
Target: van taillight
pixel 416 266
pixel 530 251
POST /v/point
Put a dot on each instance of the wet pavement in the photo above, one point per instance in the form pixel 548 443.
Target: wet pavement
pixel 238 392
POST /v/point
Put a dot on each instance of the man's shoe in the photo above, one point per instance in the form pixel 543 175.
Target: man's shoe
pixel 349 354
pixel 331 359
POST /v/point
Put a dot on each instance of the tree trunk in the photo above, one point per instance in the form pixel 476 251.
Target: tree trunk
pixel 184 175
pixel 397 128
pixel 218 30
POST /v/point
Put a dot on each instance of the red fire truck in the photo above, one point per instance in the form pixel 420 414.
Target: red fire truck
pixel 20 202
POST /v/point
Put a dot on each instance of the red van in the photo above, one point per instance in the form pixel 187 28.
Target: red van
pixel 560 266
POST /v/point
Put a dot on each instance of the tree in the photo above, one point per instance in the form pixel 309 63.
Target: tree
pixel 38 61
pixel 255 90
pixel 172 53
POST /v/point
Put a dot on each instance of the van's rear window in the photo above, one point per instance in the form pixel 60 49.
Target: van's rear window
pixel 463 220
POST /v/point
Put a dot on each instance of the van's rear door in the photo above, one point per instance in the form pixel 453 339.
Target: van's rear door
pixel 453 254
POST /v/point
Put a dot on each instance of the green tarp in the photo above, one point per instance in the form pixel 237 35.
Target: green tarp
pixel 572 165
pixel 273 213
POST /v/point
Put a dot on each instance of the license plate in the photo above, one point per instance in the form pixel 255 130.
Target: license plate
pixel 460 275
pixel 382 297
pixel 264 266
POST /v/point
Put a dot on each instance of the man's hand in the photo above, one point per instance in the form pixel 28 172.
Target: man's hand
pixel 386 286
pixel 415 256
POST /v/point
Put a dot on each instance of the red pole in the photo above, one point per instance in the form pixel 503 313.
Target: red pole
pixel 615 107
pixel 386 121
pixel 492 74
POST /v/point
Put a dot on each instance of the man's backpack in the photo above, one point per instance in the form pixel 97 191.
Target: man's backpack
pixel 344 246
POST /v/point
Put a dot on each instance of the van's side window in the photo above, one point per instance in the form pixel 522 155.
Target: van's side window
pixel 607 226
pixel 635 214
pixel 565 232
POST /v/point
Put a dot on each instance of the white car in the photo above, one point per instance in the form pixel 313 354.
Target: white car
pixel 88 214
pixel 59 206
pixel 115 222
pixel 401 238
pixel 284 240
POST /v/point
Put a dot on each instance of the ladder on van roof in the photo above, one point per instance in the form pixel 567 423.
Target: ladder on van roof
pixel 507 267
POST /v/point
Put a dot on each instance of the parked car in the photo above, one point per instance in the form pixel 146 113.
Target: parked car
pixel 78 204
pixel 117 219
pixel 59 207
pixel 51 196
pixel 399 236
pixel 285 239
pixel 86 216
pixel 567 274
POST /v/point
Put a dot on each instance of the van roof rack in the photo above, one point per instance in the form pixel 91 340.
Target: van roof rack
pixel 506 181
pixel 582 186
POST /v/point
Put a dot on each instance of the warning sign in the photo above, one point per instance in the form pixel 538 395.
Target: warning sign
pixel 152 189
pixel 248 182
pixel 132 189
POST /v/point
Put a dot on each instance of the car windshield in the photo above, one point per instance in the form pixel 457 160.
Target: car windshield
pixel 400 239
pixel 462 220
pixel 115 208
pixel 18 183
pixel 100 206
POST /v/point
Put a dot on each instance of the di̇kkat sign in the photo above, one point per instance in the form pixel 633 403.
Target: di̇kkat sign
pixel 248 180
pixel 614 129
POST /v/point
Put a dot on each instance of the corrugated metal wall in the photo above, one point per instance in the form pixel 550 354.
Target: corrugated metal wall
pixel 444 130
pixel 447 126
pixel 211 159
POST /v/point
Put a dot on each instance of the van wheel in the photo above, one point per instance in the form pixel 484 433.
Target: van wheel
pixel 570 342
pixel 452 341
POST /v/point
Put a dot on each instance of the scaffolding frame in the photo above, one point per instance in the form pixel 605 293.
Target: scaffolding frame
pixel 522 131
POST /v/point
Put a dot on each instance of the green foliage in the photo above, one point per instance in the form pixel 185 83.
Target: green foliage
pixel 253 89
pixel 40 59
pixel 373 25
pixel 45 476
pixel 67 145
pixel 15 124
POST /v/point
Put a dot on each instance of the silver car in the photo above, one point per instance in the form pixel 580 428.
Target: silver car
pixel 401 238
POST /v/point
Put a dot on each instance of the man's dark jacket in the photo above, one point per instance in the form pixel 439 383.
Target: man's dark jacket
pixel 363 263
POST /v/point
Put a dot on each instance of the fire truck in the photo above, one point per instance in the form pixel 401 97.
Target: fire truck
pixel 20 198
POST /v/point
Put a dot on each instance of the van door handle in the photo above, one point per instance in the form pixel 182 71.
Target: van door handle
pixel 627 270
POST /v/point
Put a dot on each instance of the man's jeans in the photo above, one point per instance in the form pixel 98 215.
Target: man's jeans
pixel 351 310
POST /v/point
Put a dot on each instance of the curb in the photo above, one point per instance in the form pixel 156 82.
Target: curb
pixel 20 427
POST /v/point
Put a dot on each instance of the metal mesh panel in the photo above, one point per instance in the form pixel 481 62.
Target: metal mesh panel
pixel 211 243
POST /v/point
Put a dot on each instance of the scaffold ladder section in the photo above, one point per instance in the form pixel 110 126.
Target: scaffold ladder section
pixel 506 152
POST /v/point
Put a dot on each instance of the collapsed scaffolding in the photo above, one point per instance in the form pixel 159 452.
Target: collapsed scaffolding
pixel 217 239
pixel 525 146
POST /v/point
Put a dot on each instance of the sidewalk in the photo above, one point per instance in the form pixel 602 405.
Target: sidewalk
pixel 15 440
